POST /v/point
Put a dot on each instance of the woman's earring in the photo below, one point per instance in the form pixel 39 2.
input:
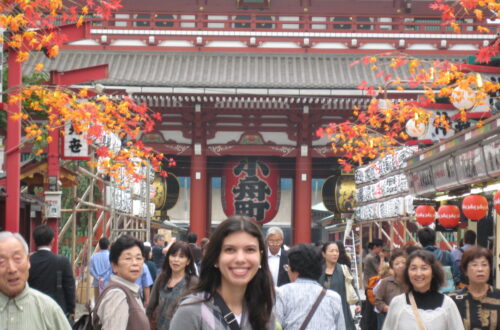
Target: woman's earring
pixel 260 266
pixel 216 266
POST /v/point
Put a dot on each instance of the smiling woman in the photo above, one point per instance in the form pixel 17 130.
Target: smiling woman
pixel 235 289
pixel 423 302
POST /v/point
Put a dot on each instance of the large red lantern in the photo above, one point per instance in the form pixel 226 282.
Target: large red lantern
pixel 496 201
pixel 425 214
pixel 475 207
pixel 251 187
pixel 449 216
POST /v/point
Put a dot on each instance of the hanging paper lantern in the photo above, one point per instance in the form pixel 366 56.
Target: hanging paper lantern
pixel 463 98
pixel 496 201
pixel 425 214
pixel 475 207
pixel 449 216
pixel 415 130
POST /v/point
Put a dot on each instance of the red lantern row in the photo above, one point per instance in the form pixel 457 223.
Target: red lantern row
pixel 474 207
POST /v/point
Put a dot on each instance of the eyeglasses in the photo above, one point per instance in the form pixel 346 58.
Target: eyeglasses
pixel 130 260
pixel 286 268
pixel 272 242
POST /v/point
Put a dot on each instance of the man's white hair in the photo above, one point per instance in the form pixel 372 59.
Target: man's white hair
pixel 274 231
pixel 7 234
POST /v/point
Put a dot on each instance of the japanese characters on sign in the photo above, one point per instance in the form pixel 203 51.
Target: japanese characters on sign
pixel 251 188
pixel 75 144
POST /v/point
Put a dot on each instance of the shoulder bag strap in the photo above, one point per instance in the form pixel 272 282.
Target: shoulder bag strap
pixel 415 311
pixel 313 309
pixel 226 313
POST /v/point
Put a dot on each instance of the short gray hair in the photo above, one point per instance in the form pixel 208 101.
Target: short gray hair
pixel 157 237
pixel 7 234
pixel 275 231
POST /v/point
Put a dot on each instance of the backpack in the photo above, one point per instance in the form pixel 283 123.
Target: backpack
pixel 372 282
pixel 448 274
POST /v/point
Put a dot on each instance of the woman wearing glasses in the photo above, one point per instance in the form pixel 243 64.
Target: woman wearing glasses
pixel 119 306
pixel 479 302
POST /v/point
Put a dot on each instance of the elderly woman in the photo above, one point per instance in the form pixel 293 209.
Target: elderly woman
pixel 423 306
pixel 479 302
pixel 295 301
pixel 119 306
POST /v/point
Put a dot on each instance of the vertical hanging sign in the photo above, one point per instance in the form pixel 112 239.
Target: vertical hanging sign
pixel 75 145
pixel 251 188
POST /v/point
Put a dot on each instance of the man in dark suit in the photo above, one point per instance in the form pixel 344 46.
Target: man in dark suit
pixel 195 250
pixel 51 273
pixel 276 256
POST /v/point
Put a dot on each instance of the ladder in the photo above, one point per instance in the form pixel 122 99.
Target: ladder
pixel 350 246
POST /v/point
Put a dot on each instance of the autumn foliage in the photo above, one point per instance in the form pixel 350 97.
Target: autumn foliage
pixel 380 127
pixel 33 26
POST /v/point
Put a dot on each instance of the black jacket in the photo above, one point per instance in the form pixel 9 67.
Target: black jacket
pixel 43 277
pixel 282 274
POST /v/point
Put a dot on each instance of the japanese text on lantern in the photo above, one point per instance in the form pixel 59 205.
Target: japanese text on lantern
pixel 251 189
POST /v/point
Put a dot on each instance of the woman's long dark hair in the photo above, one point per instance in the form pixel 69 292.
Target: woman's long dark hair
pixel 259 294
pixel 166 273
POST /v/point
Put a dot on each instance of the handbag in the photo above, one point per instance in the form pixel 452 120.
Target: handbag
pixel 313 309
pixel 350 292
pixel 415 311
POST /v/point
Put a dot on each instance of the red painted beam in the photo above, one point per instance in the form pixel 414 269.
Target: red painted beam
pixel 78 76
pixel 72 32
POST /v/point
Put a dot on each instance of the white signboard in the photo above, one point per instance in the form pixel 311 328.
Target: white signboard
pixel 75 145
pixel 53 204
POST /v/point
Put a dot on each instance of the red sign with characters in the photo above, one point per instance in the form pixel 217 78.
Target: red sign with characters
pixel 251 187
pixel 475 207
pixel 449 216
pixel 496 201
pixel 425 214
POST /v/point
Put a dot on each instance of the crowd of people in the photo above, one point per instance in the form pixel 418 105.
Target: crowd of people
pixel 241 279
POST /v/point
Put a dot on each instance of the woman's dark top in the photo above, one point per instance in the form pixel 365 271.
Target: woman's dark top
pixel 336 282
pixel 427 300
pixel 152 269
pixel 483 313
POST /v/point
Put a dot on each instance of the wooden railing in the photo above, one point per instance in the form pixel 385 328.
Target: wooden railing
pixel 288 23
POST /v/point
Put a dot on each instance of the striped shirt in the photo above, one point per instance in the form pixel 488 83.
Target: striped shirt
pixel 295 300
pixel 29 310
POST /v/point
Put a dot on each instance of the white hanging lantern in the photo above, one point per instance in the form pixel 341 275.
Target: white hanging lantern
pixel 415 130
pixel 463 98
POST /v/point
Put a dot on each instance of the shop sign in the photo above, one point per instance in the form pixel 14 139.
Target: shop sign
pixel 53 204
pixel 251 188
pixel 421 181
pixel 75 145
pixel 445 174
pixel 492 156
pixel 470 165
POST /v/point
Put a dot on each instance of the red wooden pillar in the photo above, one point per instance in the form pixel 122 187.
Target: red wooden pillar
pixel 302 200
pixel 198 192
pixel 13 154
pixel 198 195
